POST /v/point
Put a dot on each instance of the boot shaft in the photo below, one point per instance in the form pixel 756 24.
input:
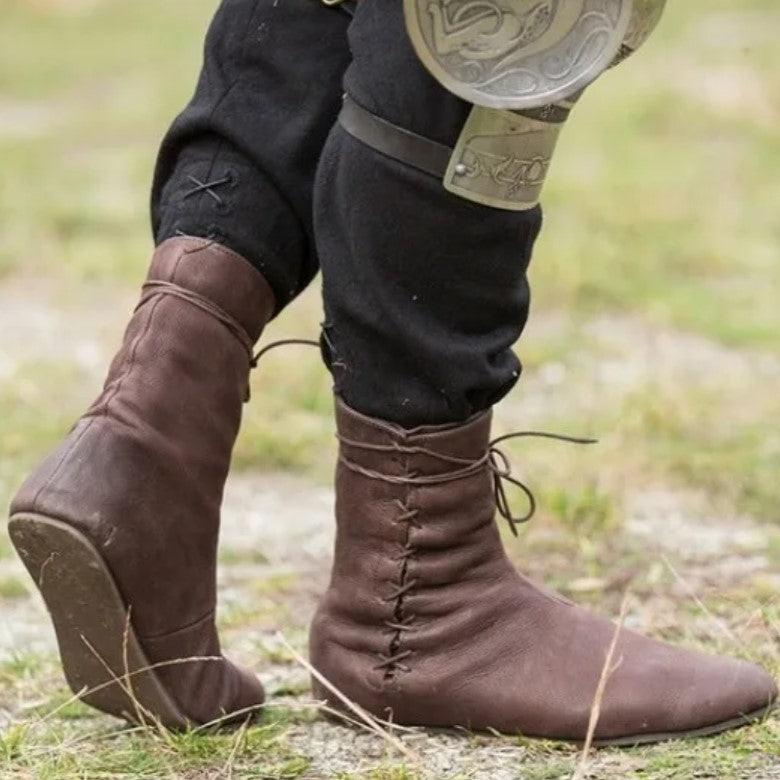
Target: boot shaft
pixel 421 497
pixel 177 357
pixel 142 472
pixel 416 539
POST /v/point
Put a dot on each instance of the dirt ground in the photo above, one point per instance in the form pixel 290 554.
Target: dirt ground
pixel 654 327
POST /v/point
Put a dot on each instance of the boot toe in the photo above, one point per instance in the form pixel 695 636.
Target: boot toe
pixel 249 694
pixel 756 690
pixel 662 692
pixel 212 690
pixel 726 692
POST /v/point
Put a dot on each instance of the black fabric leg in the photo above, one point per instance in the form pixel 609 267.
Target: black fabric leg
pixel 425 293
pixel 238 164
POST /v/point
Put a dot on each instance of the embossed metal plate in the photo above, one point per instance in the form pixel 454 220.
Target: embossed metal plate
pixel 517 54
pixel 501 159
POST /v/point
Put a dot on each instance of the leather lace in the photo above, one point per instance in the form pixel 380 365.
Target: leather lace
pixel 395 657
pixel 155 287
pixel 494 459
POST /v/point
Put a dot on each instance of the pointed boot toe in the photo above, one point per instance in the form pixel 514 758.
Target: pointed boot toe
pixel 732 693
pixel 249 695
pixel 660 692
pixel 228 696
pixel 758 690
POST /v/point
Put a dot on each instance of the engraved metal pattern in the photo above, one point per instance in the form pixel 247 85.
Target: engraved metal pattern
pixel 501 159
pixel 517 54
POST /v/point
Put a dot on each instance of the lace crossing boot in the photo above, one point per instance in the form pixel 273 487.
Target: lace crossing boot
pixel 426 622
pixel 119 525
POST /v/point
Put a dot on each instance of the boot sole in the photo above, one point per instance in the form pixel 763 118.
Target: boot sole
pixel 652 739
pixel 706 731
pixel 103 660
pixel 630 741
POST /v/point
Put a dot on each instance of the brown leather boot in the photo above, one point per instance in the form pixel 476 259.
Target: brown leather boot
pixel 427 622
pixel 119 525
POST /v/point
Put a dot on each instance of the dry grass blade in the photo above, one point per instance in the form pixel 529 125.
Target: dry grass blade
pixel 227 769
pixel 719 624
pixel 322 707
pixel 595 711
pixel 86 691
pixel 119 681
pixel 64 705
pixel 140 712
pixel 370 721
pixel 230 717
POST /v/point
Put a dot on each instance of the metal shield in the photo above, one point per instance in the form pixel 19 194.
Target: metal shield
pixel 517 54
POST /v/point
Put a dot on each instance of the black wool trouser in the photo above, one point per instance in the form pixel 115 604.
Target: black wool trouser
pixel 424 292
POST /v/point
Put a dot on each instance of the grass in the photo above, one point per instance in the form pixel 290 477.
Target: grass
pixel 33 418
pixel 728 757
pixel 258 752
pixel 655 327
pixel 12 587
pixel 672 189
pixel 48 747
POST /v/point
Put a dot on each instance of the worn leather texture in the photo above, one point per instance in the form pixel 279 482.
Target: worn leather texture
pixel 142 472
pixel 426 620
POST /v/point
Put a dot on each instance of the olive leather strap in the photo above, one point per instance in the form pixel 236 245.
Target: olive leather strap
pixel 393 141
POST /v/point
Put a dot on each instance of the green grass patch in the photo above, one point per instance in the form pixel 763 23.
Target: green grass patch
pixel 13 588
pixel 56 753
pixel 661 194
pixel 23 666
pixel 38 404
pixel 705 439
pixel 6 548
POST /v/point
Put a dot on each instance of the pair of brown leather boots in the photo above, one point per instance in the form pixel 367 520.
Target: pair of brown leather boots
pixel 425 621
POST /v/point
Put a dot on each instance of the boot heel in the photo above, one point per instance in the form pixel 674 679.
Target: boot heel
pixel 100 653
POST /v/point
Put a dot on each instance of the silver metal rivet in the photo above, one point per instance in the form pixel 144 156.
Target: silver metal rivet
pixel 460 169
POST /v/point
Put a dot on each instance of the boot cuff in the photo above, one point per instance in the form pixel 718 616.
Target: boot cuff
pixel 378 444
pixel 219 274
